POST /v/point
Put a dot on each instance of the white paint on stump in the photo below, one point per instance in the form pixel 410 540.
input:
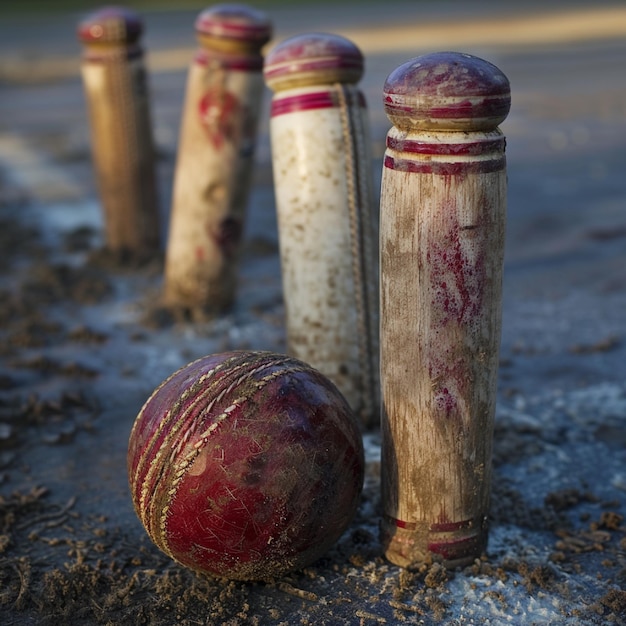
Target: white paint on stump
pixel 320 150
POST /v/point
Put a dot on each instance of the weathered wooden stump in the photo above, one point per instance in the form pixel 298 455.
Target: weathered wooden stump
pixel 215 159
pixel 442 240
pixel 321 156
pixel 123 150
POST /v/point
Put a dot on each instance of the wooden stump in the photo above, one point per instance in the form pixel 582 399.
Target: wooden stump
pixel 321 156
pixel 442 240
pixel 123 151
pixel 215 159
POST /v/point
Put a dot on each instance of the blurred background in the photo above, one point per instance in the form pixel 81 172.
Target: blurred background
pixel 566 130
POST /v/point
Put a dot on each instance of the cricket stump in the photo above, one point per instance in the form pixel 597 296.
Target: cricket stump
pixel 321 160
pixel 215 159
pixel 116 90
pixel 443 205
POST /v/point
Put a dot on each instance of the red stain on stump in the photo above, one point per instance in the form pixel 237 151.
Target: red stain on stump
pixel 457 278
pixel 228 235
pixel 456 258
pixel 219 112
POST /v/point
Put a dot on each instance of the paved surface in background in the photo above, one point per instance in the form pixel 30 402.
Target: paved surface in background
pixel 562 406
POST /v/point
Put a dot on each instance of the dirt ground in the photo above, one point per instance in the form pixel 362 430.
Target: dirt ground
pixel 83 342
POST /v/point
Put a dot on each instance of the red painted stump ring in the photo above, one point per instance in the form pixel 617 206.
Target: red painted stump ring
pixel 447 91
pixel 245 465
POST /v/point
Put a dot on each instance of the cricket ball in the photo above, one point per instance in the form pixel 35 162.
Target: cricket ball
pixel 245 465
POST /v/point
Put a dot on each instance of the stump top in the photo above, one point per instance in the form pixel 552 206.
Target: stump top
pixel 233 26
pixel 111 25
pixel 313 59
pixel 447 91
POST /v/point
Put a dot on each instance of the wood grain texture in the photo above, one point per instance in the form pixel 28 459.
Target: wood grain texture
pixel 442 240
pixel 211 186
pixel 122 147
pixel 215 159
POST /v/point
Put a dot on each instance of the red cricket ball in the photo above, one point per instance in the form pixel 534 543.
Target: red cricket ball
pixel 245 465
